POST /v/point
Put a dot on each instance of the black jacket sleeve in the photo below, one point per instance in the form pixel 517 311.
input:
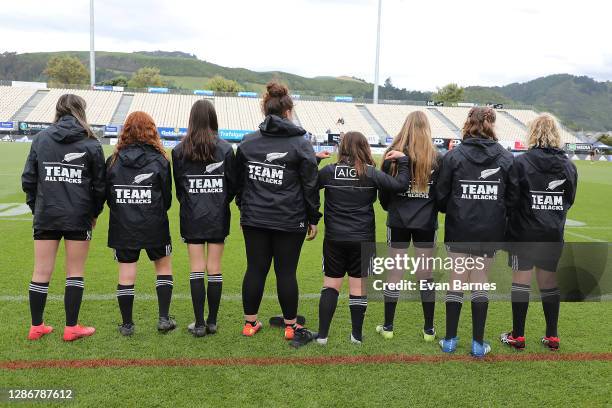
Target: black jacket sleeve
pixel 384 196
pixel 177 173
pixel 309 173
pixel 383 181
pixel 513 188
pixel 444 183
pixel 166 183
pixel 230 174
pixel 239 176
pixel 98 180
pixel 29 178
pixel 570 191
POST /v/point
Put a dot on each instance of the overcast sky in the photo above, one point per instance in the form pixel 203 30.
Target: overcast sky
pixel 424 43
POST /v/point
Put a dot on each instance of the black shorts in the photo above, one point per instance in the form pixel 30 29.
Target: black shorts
pixel 204 241
pixel 542 255
pixel 345 257
pixel 478 249
pixel 132 255
pixel 400 238
pixel 58 235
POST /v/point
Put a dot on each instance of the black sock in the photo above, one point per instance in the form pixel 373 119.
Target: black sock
pixel 38 298
pixel 480 306
pixel 164 286
pixel 215 284
pixel 125 298
pixel 551 302
pixel 73 296
pixel 198 296
pixel 391 297
pixel 520 304
pixel 358 306
pixel 454 301
pixel 428 301
pixel 327 307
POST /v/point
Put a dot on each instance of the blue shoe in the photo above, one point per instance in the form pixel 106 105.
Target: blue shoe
pixel 449 346
pixel 480 350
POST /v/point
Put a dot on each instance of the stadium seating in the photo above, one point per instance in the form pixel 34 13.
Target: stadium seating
pixel 238 113
pixel 526 116
pixel 318 117
pixel 100 105
pixel 392 117
pixel 167 110
pixel 11 99
pixel 505 128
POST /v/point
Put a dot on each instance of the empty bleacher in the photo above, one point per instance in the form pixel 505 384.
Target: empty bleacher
pixel 100 105
pixel 526 116
pixel 167 110
pixel 238 113
pixel 392 117
pixel 319 117
pixel 11 99
pixel 506 129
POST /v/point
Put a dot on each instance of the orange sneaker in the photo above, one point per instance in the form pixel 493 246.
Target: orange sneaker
pixel 36 332
pixel 249 330
pixel 72 333
pixel 289 331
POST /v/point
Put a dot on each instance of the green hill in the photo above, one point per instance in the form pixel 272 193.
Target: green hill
pixel 581 102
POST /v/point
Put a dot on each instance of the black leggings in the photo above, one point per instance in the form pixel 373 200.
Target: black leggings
pixel 263 245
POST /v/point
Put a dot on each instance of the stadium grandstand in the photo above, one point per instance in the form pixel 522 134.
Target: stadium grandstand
pixel 100 105
pixel 12 99
pixel 243 114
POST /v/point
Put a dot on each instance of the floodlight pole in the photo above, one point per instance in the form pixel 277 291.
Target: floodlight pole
pixel 92 52
pixel 376 68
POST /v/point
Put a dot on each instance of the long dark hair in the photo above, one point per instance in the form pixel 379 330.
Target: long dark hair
pixel 355 151
pixel 73 105
pixel 276 100
pixel 480 123
pixel 202 133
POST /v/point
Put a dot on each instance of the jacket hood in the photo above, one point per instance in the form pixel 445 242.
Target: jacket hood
pixel 547 159
pixel 67 130
pixel 137 155
pixel 480 151
pixel 275 126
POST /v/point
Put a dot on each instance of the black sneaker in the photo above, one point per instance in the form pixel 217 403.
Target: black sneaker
pixel 166 324
pixel 211 328
pixel 279 321
pixel 126 329
pixel 302 337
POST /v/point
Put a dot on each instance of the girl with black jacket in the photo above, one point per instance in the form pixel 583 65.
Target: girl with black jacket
pixel 139 194
pixel 350 187
pixel 63 180
pixel 547 182
pixel 203 167
pixel 412 216
pixel 475 187
pixel 278 198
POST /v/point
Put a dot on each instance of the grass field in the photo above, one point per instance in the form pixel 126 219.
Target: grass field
pixel 280 375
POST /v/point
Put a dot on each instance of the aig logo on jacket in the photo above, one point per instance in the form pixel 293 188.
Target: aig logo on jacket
pixel 345 173
pixel 268 171
pixel 482 188
pixel 136 193
pixel 548 200
pixel 206 183
pixel 65 171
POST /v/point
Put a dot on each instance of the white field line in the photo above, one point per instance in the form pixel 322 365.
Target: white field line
pixel 584 236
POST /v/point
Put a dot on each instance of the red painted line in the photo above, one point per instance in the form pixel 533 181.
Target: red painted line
pixel 322 360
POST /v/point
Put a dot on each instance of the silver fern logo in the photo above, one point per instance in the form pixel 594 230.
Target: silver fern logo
pixel 72 156
pixel 213 166
pixel 488 173
pixel 270 157
pixel 554 184
pixel 142 177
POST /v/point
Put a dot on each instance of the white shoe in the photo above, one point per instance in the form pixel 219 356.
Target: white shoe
pixel 354 340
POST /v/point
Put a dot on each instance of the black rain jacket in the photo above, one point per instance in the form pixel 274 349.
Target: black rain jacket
pixel 64 177
pixel 276 169
pixel 139 194
pixel 204 191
